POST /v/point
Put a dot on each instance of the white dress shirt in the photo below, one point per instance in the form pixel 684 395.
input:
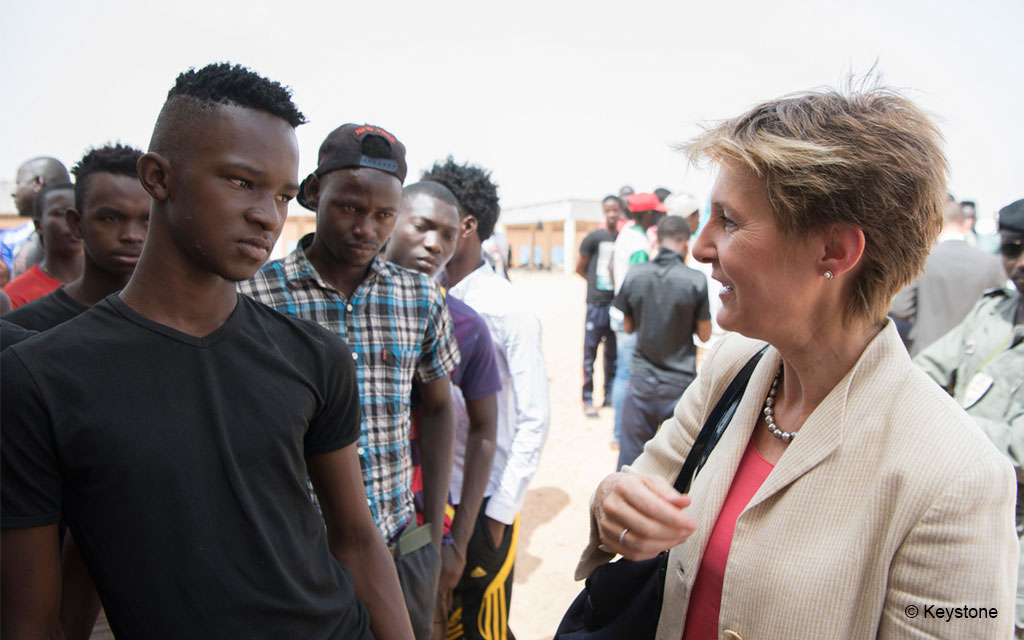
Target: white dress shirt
pixel 524 414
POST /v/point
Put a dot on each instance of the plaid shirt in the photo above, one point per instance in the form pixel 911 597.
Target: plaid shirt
pixel 397 326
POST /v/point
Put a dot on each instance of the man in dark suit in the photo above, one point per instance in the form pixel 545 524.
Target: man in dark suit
pixel 954 278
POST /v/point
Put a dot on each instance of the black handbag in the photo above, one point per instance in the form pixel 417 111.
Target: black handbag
pixel 622 599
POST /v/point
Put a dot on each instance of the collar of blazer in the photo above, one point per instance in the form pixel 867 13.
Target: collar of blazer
pixel 822 432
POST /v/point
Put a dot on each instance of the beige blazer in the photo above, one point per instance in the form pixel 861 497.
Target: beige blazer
pixel 889 505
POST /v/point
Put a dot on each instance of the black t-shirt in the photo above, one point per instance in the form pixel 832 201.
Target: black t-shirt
pixel 598 246
pixel 11 333
pixel 179 465
pixel 46 312
pixel 666 298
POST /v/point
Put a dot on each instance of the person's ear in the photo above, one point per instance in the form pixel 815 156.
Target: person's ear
pixel 844 247
pixel 311 192
pixel 74 221
pixel 467 227
pixel 155 175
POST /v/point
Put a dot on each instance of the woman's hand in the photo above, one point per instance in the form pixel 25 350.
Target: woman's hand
pixel 647 508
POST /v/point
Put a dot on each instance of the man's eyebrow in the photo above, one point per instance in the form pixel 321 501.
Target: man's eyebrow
pixel 241 166
pixel 257 173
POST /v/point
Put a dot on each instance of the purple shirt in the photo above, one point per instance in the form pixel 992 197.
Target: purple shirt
pixel 477 374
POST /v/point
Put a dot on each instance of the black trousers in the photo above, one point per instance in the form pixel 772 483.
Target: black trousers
pixel 483 597
pixel 596 330
pixel 418 573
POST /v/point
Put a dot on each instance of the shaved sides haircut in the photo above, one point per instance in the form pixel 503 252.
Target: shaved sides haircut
pixel 118 159
pixel 197 93
pixel 435 190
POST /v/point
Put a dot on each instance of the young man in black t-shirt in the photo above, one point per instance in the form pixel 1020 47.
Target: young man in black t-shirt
pixel 594 264
pixel 176 433
pixel 110 217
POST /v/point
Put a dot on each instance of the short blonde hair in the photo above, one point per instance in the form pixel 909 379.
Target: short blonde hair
pixel 867 157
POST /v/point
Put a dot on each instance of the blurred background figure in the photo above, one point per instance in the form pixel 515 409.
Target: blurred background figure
pixel 496 252
pixel 970 213
pixel 594 265
pixel 624 192
pixel 686 206
pixel 62 251
pixel 664 303
pixel 21 247
pixel 954 277
pixel 631 248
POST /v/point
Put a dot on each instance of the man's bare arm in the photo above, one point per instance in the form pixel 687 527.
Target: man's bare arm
pixel 480 441
pixel 30 583
pixel 79 601
pixel 704 329
pixel 356 543
pixel 437 450
pixel 581 265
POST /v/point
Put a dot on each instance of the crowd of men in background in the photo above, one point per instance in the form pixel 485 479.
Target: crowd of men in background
pixel 957 281
pixel 645 305
pixel 211 444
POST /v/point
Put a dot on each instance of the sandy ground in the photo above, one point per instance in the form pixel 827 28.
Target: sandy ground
pixel 576 457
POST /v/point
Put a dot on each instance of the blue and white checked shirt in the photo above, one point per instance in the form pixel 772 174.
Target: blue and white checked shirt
pixel 397 326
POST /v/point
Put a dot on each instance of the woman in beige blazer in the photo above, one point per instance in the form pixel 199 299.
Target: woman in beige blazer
pixel 867 503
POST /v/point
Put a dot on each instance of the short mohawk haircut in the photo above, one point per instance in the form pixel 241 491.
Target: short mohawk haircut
pixel 227 84
pixel 118 159
pixel 472 186
pixel 220 84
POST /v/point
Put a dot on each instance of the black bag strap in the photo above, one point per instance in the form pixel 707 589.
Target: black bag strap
pixel 715 425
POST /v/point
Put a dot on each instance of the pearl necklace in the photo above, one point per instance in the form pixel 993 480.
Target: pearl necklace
pixel 769 412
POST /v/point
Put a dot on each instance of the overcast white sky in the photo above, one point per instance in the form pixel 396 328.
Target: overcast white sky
pixel 559 99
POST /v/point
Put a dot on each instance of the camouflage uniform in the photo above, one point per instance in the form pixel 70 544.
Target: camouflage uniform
pixel 981 362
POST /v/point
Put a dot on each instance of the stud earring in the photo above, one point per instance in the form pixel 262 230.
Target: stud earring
pixel 828 275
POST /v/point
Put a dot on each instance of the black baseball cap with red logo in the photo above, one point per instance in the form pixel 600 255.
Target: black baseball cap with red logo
pixel 352 146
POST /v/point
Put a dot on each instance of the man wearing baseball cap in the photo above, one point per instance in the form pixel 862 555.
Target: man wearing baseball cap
pixel 399 330
pixel 981 362
pixel 631 248
pixel 686 206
